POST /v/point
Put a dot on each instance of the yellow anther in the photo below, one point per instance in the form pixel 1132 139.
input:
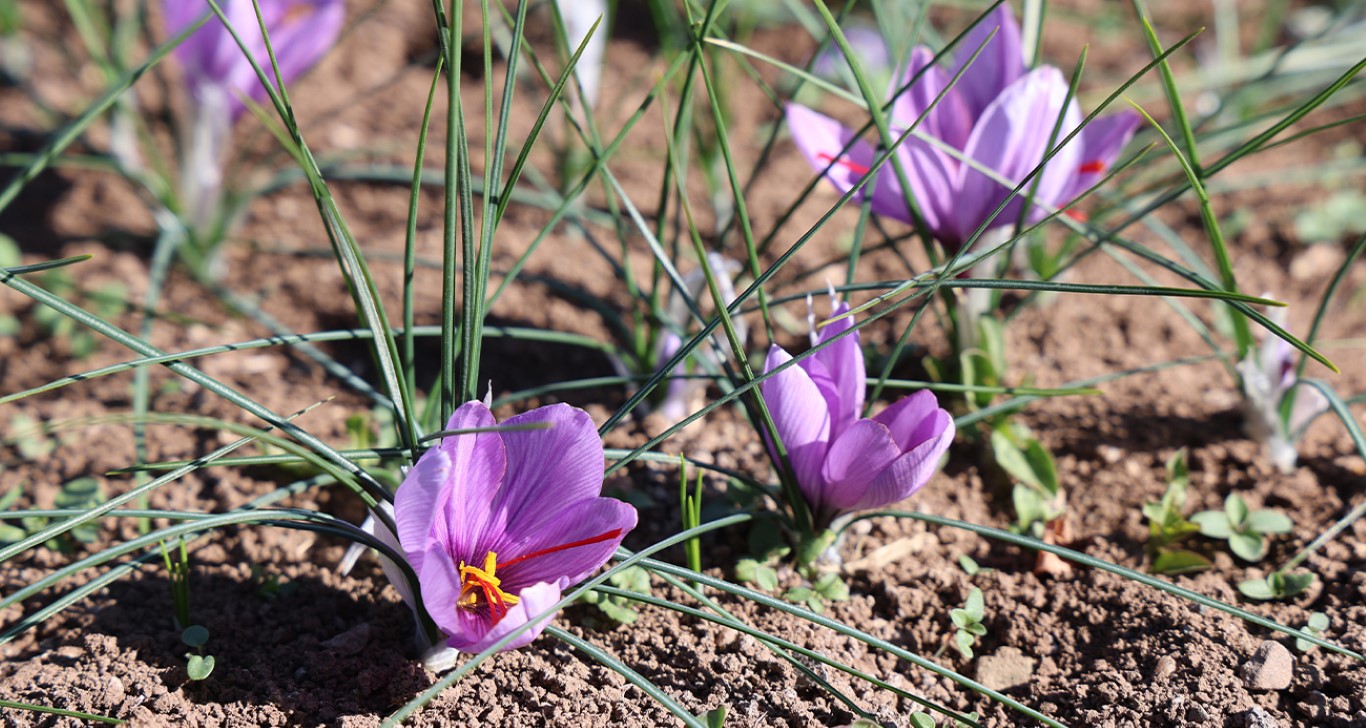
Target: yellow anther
pixel 481 587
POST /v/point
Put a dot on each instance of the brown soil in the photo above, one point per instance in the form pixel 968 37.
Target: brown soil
pixel 1089 648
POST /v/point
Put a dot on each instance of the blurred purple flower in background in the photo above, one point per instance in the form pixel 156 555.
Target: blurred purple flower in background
pixel 1268 375
pixel 217 73
pixel 999 114
pixel 683 394
pixel 873 54
pixel 844 463
pixel 301 31
pixel 496 524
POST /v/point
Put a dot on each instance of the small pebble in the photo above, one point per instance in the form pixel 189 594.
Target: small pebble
pixel 1271 668
pixel 351 641
pixel 1257 717
pixel 1166 667
pixel 1005 669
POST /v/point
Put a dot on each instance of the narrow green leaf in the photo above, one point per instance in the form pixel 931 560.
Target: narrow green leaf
pixel 1179 562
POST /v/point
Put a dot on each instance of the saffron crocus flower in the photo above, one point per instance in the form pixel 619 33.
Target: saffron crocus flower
pixel 217 73
pixel 301 31
pixel 873 55
pixel 999 114
pixel 1268 376
pixel 843 462
pixel 681 390
pixel 496 524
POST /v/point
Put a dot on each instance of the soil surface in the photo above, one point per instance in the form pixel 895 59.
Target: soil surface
pixel 296 643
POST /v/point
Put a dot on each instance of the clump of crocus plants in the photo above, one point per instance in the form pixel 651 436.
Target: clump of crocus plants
pixel 986 146
pixel 486 528
pixel 841 461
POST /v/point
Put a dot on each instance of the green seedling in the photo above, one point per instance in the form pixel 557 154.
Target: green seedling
pixel 968 620
pixel 30 437
pixel 971 567
pixel 714 718
pixel 1038 497
pixel 80 494
pixel 925 720
pixel 827 587
pixel 751 571
pixel 691 506
pixel 268 585
pixel 1277 585
pixel 1245 530
pixel 107 302
pixel 619 609
pixel 1335 218
pixel 198 665
pixel 1168 527
pixel 77 494
pixel 1317 625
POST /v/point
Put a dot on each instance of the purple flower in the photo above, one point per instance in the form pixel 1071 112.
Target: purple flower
pixel 1268 375
pixel 999 114
pixel 497 524
pixel 844 463
pixel 301 31
pixel 873 54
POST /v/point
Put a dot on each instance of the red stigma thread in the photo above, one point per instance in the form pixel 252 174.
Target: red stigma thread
pixel 854 167
pixel 565 546
pixel 1094 166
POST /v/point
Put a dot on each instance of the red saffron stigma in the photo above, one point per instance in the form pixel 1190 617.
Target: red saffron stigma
pixel 608 536
pixel 851 166
pixel 1076 214
pixel 1094 166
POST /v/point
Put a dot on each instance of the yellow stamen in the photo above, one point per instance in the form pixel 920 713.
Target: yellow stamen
pixel 480 588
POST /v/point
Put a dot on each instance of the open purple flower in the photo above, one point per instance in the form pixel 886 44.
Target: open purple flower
pixel 999 114
pixel 301 31
pixel 841 462
pixel 497 524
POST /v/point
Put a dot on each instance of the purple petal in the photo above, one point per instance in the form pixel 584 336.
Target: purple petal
pixel 800 415
pixel 911 471
pixel 930 171
pixel 583 521
pixel 999 64
pixel 301 31
pixel 1101 142
pixel 1011 138
pixel 914 419
pixel 548 469
pixel 477 634
pixel 843 361
pixel 855 459
pixel 445 503
pixel 821 138
pixel 949 120
pixel 439 577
